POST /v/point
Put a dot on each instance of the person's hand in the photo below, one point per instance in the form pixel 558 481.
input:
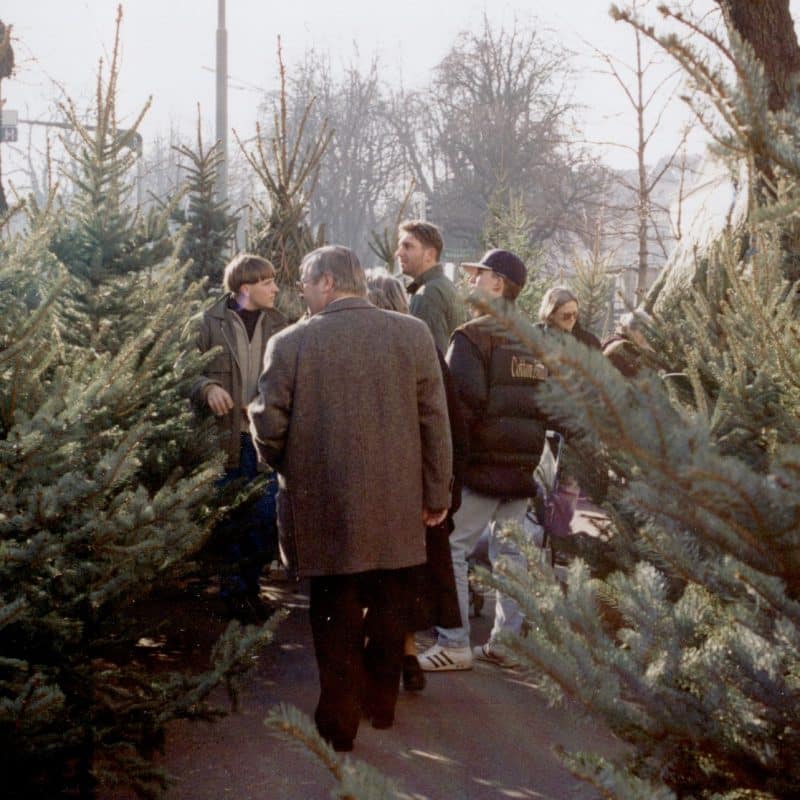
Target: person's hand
pixel 219 401
pixel 431 518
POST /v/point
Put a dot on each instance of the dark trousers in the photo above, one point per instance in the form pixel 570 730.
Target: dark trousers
pixel 248 536
pixel 359 653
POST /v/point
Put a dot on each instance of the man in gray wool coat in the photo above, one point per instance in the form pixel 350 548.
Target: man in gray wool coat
pixel 352 414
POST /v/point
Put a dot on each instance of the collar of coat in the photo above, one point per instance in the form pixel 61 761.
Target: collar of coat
pixel 436 271
pixel 343 304
pixel 220 309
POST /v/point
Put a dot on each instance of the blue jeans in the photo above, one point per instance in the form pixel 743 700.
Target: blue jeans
pixel 249 534
pixel 476 512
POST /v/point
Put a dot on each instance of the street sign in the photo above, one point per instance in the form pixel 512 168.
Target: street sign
pixel 8 126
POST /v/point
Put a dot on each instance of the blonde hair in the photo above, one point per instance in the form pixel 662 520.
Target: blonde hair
pixel 386 291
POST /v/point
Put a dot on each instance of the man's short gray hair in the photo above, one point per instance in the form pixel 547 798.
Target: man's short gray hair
pixel 342 264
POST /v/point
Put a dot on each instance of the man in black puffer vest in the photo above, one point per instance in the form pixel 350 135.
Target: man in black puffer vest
pixel 496 379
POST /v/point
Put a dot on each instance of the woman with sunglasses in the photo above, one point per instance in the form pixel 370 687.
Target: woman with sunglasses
pixel 559 312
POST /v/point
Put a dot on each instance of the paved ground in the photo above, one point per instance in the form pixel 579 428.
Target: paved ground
pixel 477 734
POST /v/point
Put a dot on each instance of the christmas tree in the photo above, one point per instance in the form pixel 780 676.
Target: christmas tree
pixel 592 286
pixel 684 639
pixel 211 226
pixel 507 227
pixel 288 169
pixel 105 483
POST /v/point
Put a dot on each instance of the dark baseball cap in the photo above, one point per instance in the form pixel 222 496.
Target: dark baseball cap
pixel 504 263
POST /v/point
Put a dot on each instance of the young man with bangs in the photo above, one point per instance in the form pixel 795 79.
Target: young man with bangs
pixel 241 322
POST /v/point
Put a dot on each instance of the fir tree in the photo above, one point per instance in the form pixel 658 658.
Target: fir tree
pixel 288 172
pixel 592 286
pixel 508 227
pixel 686 642
pixel 697 667
pixel 211 227
pixel 105 487
pixel 686 645
pixel 355 780
pixel 108 244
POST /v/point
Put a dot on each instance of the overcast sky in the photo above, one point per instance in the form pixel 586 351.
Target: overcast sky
pixel 169 51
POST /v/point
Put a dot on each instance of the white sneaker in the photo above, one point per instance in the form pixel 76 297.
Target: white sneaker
pixel 444 659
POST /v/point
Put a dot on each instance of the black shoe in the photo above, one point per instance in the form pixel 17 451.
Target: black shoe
pixel 249 609
pixel 381 722
pixel 413 676
pixel 341 745
pixel 379 719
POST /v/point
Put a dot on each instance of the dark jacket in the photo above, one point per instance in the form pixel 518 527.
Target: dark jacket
pixel 459 433
pixel 435 300
pixel 623 354
pixel 586 337
pixel 497 381
pixel 216 330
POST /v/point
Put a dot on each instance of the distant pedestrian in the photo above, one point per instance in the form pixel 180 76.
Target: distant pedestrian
pixel 352 413
pixel 559 314
pixel 434 297
pixel 241 323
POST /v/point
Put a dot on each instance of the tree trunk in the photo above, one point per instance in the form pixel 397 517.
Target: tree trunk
pixel 767 26
pixel 6 69
pixel 643 199
pixel 3 201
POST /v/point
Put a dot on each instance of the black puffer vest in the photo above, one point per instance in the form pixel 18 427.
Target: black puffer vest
pixel 506 441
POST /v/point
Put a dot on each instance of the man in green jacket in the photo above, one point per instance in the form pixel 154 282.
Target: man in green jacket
pixel 434 298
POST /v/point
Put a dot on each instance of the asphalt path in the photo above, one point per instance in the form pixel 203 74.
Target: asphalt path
pixel 482 733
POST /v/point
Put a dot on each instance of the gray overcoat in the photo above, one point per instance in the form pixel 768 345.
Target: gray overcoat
pixel 352 413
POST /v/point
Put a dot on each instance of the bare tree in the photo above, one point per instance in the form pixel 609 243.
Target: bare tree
pixel 384 244
pixel 496 114
pixel 360 174
pixel 6 70
pixel 651 94
pixel 739 93
pixel 287 166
